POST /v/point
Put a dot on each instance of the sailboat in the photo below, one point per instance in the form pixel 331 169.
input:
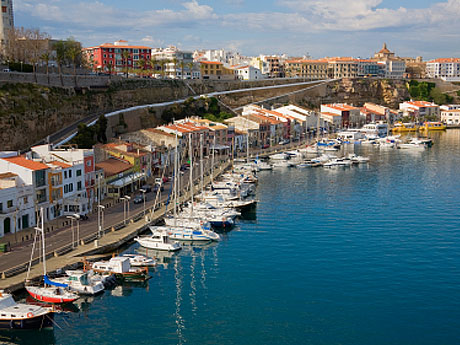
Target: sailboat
pixel 50 292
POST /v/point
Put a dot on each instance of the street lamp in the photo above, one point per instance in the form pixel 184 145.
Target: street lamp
pixel 77 237
pixel 125 202
pixel 100 220
pixel 143 191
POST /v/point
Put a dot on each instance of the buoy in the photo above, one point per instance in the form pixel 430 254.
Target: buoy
pixel 30 314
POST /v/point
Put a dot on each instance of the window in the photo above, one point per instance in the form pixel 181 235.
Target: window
pixel 65 174
pixel 40 178
pixel 79 185
pixel 66 188
pixel 4 9
pixel 9 203
pixel 70 173
pixel 79 172
pixel 25 200
pixel 1 206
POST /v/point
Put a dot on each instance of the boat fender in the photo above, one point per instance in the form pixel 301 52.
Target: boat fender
pixel 29 314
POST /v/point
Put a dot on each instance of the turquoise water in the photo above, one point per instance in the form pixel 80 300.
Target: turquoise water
pixel 361 255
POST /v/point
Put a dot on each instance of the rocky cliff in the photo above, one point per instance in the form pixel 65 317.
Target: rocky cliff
pixel 29 112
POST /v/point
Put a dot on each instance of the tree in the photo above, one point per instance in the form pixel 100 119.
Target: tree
pixel 182 65
pixel 100 128
pixel 126 55
pixel 84 137
pixel 162 64
pixel 73 52
pixel 141 63
pixel 190 66
pixel 37 43
pixel 61 52
pixel 45 57
pixel 174 61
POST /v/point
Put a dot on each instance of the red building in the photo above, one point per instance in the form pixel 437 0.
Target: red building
pixel 110 57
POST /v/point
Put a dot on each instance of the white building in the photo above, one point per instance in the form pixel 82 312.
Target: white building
pixel 419 108
pixel 17 209
pixel 349 116
pixel 450 117
pixel 308 117
pixel 30 173
pixel 446 69
pixel 178 64
pixel 393 69
pixel 248 72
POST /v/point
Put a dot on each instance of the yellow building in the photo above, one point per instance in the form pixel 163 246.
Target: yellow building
pixel 309 69
pixel 216 71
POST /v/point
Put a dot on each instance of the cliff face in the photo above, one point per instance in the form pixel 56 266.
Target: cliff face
pixel 29 112
pixel 358 91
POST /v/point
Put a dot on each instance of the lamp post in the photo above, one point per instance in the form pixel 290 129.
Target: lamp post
pixel 76 236
pixel 100 220
pixel 125 202
pixel 143 191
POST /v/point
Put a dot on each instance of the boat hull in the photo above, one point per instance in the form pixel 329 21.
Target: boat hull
pixel 38 322
pixel 35 293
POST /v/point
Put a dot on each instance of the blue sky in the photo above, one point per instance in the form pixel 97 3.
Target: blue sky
pixel 296 27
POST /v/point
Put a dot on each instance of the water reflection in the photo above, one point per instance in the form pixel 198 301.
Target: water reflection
pixel 25 337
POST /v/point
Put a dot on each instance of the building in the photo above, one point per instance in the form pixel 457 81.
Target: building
pixel 6 21
pixel 342 115
pixel 446 69
pixel 308 69
pixel 375 112
pixel 450 117
pixel 217 130
pixel 273 67
pixel 369 68
pixel 117 57
pixel 245 126
pixel 419 109
pixel 17 207
pixel 176 64
pixel 310 120
pixel 343 67
pixel 120 177
pixel 248 72
pixel 214 70
pixel 392 68
pixel 384 54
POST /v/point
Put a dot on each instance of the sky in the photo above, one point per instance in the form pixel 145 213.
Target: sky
pixel 319 28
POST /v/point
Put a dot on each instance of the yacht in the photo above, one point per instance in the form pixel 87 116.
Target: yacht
pixel 23 316
pixel 82 282
pixel 376 129
pixel 159 240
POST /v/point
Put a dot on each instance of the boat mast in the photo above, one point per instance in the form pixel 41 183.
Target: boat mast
pixel 317 126
pixel 175 179
pixel 190 170
pixel 201 163
pixel 42 215
pixel 212 161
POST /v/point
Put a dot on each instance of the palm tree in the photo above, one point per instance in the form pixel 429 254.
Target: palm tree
pixel 46 57
pixel 141 63
pixel 126 55
pixel 174 61
pixel 110 69
pixel 60 48
pixel 162 64
pixel 190 66
pixel 182 65
pixel 74 54
pixel 153 64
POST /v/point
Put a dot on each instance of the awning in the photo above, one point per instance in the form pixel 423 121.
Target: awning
pixel 124 181
pixel 219 147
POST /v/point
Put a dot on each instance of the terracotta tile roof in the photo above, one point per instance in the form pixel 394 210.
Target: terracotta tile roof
pixel 211 62
pixel 116 147
pixel 111 45
pixel 340 106
pixel 113 166
pixel 444 60
pixel 421 104
pixel 158 131
pixel 26 163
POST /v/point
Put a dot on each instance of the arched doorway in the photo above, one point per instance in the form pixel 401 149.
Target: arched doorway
pixel 7 226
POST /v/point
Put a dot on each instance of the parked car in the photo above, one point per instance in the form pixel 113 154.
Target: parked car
pixel 139 199
pixel 284 142
pixel 160 185
pixel 147 188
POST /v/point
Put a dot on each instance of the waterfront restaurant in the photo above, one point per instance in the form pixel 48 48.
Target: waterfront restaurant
pixel 120 177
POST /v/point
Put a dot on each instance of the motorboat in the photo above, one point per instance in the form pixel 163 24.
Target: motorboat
pixel 433 126
pixel 121 268
pixel 400 127
pixel 264 166
pixel 357 159
pixel 192 234
pixel 138 260
pixel 279 156
pixel 15 315
pixel 82 282
pixel 159 240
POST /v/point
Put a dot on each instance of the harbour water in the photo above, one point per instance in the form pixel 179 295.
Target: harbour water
pixel 361 255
